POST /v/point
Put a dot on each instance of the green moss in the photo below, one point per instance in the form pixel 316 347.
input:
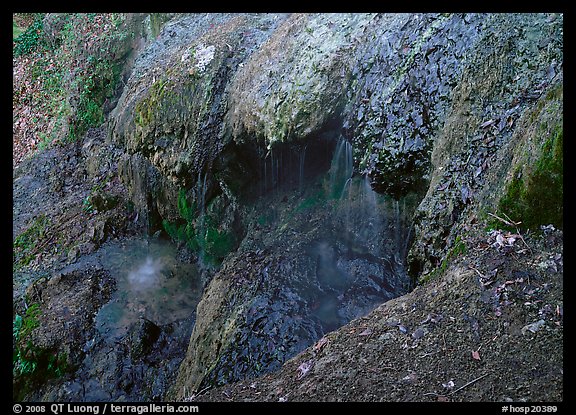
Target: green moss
pixel 26 242
pixel 217 244
pixel 459 248
pixel 314 200
pixel 157 20
pixel 30 364
pixel 146 109
pixel 29 322
pixel 266 219
pixel 536 198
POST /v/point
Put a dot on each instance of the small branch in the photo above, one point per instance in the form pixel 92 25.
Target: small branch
pixel 522 238
pixel 468 384
pixel 428 354
pixel 190 398
pixel 202 391
pixel 509 223
pixel 478 272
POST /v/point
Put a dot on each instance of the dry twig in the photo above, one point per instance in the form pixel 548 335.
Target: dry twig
pixel 468 384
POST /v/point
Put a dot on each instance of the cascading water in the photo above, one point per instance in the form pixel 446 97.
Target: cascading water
pixel 342 168
pixel 397 232
pixel 320 252
pixel 358 208
pixel 356 261
pixel 201 190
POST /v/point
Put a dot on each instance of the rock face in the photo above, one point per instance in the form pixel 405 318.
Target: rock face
pixel 430 103
pixel 295 84
pixel 170 116
pixel 405 88
pixel 256 141
pixel 489 127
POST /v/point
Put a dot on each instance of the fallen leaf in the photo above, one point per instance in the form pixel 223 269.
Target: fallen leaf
pixel 433 318
pixel 475 355
pixel 533 327
pixel 366 332
pixel 418 333
pixel 465 193
pixel 442 398
pixel 320 344
pixel 486 124
pixel 304 368
pixel 448 385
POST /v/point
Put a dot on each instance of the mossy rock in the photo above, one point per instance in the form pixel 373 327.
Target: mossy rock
pixel 534 194
pixel 537 199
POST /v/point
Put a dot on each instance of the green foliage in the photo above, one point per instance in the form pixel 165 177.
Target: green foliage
pixel 98 200
pixel 95 85
pixel 216 244
pixel 21 365
pixel 16 325
pixel 25 243
pixel 31 363
pixel 29 40
pixel 187 212
pixel 314 200
pixel 538 198
pixel 459 248
pixel 200 231
pixel 77 69
pixel 87 205
pixel 21 329
pixel 30 320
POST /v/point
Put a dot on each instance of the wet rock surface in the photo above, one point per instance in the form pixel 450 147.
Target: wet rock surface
pixel 54 219
pixel 72 275
pixel 112 348
pixel 298 274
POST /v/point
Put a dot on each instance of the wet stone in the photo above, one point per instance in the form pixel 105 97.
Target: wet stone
pixel 143 337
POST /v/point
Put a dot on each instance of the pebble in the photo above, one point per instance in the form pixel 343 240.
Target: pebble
pixel 419 332
pixel 533 327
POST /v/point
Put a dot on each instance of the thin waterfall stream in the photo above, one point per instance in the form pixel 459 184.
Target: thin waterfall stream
pixel 357 263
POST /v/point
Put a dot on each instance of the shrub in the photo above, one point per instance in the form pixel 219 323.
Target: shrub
pixel 28 41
